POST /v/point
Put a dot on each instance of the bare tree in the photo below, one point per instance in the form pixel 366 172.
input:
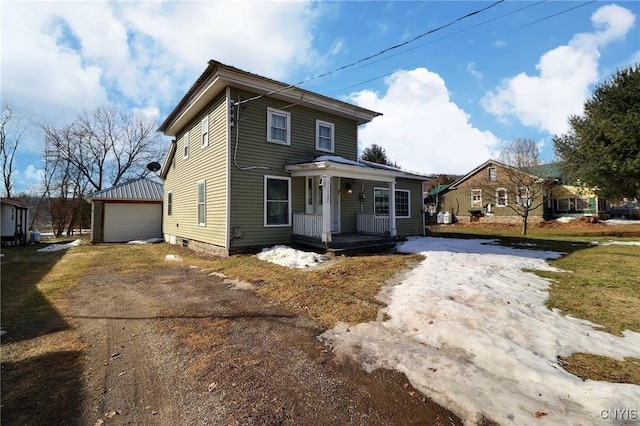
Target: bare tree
pixel 106 145
pixel 11 131
pixel 519 179
pixel 101 147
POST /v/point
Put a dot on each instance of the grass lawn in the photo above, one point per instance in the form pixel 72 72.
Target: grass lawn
pixel 603 286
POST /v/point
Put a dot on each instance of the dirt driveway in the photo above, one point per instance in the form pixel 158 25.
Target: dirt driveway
pixel 182 347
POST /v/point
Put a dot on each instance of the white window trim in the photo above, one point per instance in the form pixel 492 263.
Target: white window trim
pixel 524 200
pixel 170 203
pixel 288 179
pixel 396 204
pixel 204 202
pixel 333 139
pixel 270 112
pixel 506 197
pixel 186 145
pixel 477 191
pixel 408 204
pixel 495 174
pixel 204 132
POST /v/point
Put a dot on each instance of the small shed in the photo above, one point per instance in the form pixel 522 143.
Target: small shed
pixel 14 221
pixel 129 211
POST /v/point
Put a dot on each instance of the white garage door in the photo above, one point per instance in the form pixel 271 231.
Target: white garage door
pixel 126 222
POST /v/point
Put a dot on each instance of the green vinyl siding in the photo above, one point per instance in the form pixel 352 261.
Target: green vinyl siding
pixel 255 158
pixel 208 164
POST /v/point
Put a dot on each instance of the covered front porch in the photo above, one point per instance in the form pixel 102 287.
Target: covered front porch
pixel 347 205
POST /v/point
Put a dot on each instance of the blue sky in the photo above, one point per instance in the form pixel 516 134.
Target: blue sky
pixel 449 99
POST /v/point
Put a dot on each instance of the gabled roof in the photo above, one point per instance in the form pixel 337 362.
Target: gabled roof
pixel 140 189
pixel 530 171
pixel 12 202
pixel 217 77
pixel 360 169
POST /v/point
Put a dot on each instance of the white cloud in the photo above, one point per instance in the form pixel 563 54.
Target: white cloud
pixel 565 75
pixel 72 56
pixel 421 129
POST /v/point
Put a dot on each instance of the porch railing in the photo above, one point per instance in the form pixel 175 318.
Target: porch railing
pixel 309 225
pixel 368 223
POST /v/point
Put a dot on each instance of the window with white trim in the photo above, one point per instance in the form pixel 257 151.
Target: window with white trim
pixel 501 197
pixel 523 197
pixel 476 198
pixel 492 174
pixel 169 203
pixel 277 201
pixel 204 140
pixel 325 139
pixel 278 126
pixel 402 200
pixel 185 142
pixel 202 203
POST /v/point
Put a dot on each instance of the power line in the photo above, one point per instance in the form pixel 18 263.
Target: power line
pixel 466 29
pixel 397 46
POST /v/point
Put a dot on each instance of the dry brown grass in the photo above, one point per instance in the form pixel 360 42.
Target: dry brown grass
pixel 343 292
pixel 595 367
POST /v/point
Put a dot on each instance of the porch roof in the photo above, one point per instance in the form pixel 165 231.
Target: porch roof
pixel 341 167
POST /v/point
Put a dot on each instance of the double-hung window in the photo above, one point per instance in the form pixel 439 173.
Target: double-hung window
pixel 169 203
pixel 501 197
pixel 202 203
pixel 523 198
pixel 402 201
pixel 325 136
pixel 277 201
pixel 205 132
pixel 278 126
pixel 185 142
pixel 492 174
pixel 476 198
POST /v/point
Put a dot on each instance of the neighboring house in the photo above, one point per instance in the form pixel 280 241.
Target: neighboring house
pixel 14 221
pixel 255 162
pixel 432 200
pixel 129 211
pixel 491 190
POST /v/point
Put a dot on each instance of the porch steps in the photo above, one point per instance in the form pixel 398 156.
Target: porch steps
pixel 349 243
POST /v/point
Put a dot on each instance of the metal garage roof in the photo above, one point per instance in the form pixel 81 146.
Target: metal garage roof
pixel 141 189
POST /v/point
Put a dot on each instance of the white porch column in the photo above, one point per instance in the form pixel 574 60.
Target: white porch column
pixel 393 231
pixel 326 209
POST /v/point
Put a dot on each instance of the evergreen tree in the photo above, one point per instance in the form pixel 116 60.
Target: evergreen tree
pixel 602 148
pixel 376 154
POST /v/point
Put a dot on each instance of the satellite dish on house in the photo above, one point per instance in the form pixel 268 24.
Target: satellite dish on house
pixel 154 166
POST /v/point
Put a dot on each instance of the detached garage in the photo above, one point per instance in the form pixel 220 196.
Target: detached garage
pixel 126 212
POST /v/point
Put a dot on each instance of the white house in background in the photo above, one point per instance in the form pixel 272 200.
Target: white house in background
pixel 14 221
pixel 126 212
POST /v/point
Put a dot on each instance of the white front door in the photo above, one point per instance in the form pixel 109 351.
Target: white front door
pixel 314 201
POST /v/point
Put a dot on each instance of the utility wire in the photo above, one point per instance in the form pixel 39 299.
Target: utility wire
pixel 397 46
pixel 466 29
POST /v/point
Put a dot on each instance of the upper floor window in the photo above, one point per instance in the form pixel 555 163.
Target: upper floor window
pixel 325 136
pixel 186 144
pixel 205 132
pixel 492 174
pixel 278 126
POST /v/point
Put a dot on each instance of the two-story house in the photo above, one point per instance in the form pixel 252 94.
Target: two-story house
pixel 255 162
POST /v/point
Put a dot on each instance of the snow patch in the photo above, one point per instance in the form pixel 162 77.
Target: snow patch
pixel 58 247
pixel 149 241
pixel 614 222
pixel 472 331
pixel 566 219
pixel 292 258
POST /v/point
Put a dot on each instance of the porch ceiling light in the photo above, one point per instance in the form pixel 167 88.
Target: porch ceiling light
pixel 348 187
